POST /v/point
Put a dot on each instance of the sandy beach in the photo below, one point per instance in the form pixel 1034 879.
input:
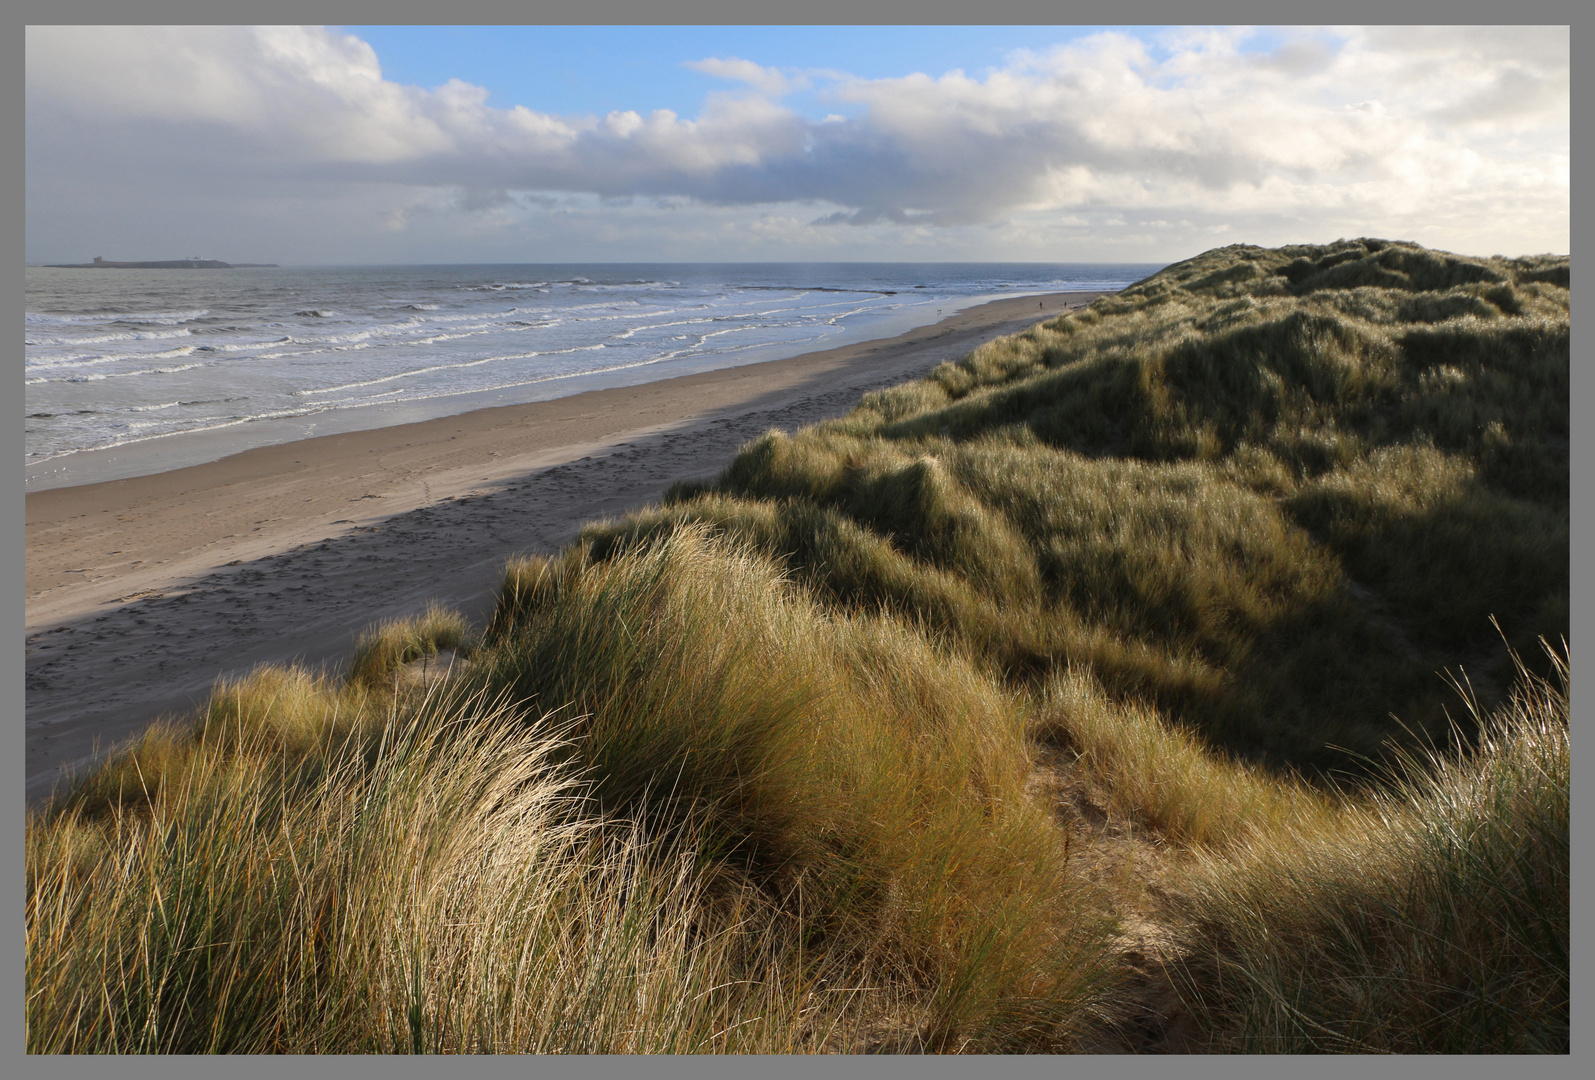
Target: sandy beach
pixel 142 592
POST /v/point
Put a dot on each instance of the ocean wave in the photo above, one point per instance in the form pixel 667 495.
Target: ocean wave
pixel 575 283
pixel 840 315
pixel 358 402
pixel 810 288
pixel 119 335
pixel 380 338
pixel 606 369
pixel 412 372
pixel 611 305
pixel 241 346
pixel 85 318
pixel 635 330
pixel 413 329
pixel 102 376
pixel 488 317
pixel 96 359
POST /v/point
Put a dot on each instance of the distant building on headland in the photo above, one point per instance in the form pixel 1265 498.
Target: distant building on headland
pixel 193 262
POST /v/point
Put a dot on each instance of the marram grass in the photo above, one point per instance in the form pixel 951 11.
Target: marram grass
pixel 762 769
pixel 1431 918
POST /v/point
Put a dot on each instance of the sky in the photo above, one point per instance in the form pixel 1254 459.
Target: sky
pixel 381 144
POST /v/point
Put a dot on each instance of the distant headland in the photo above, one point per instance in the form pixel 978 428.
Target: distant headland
pixel 193 262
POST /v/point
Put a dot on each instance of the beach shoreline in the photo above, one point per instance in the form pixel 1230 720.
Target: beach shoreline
pixel 142 591
pixel 295 418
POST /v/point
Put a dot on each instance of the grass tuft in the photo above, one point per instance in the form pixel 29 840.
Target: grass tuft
pixel 1433 918
pixel 382 650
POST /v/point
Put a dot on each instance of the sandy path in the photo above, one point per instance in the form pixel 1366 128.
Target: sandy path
pixel 141 592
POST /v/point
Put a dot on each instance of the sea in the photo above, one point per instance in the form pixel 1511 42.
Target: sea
pixel 138 371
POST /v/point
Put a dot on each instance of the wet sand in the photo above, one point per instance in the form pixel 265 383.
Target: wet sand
pixel 142 592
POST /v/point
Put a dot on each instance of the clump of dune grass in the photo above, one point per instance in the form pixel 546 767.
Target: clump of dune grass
pixel 434 884
pixel 850 767
pixel 1164 777
pixel 1431 918
pixel 384 649
pixel 1168 580
pixel 284 714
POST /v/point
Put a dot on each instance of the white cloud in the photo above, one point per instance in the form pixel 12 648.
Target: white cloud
pixel 300 91
pixel 1460 135
pixel 768 81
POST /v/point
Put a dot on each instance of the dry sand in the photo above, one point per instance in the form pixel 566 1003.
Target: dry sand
pixel 141 592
